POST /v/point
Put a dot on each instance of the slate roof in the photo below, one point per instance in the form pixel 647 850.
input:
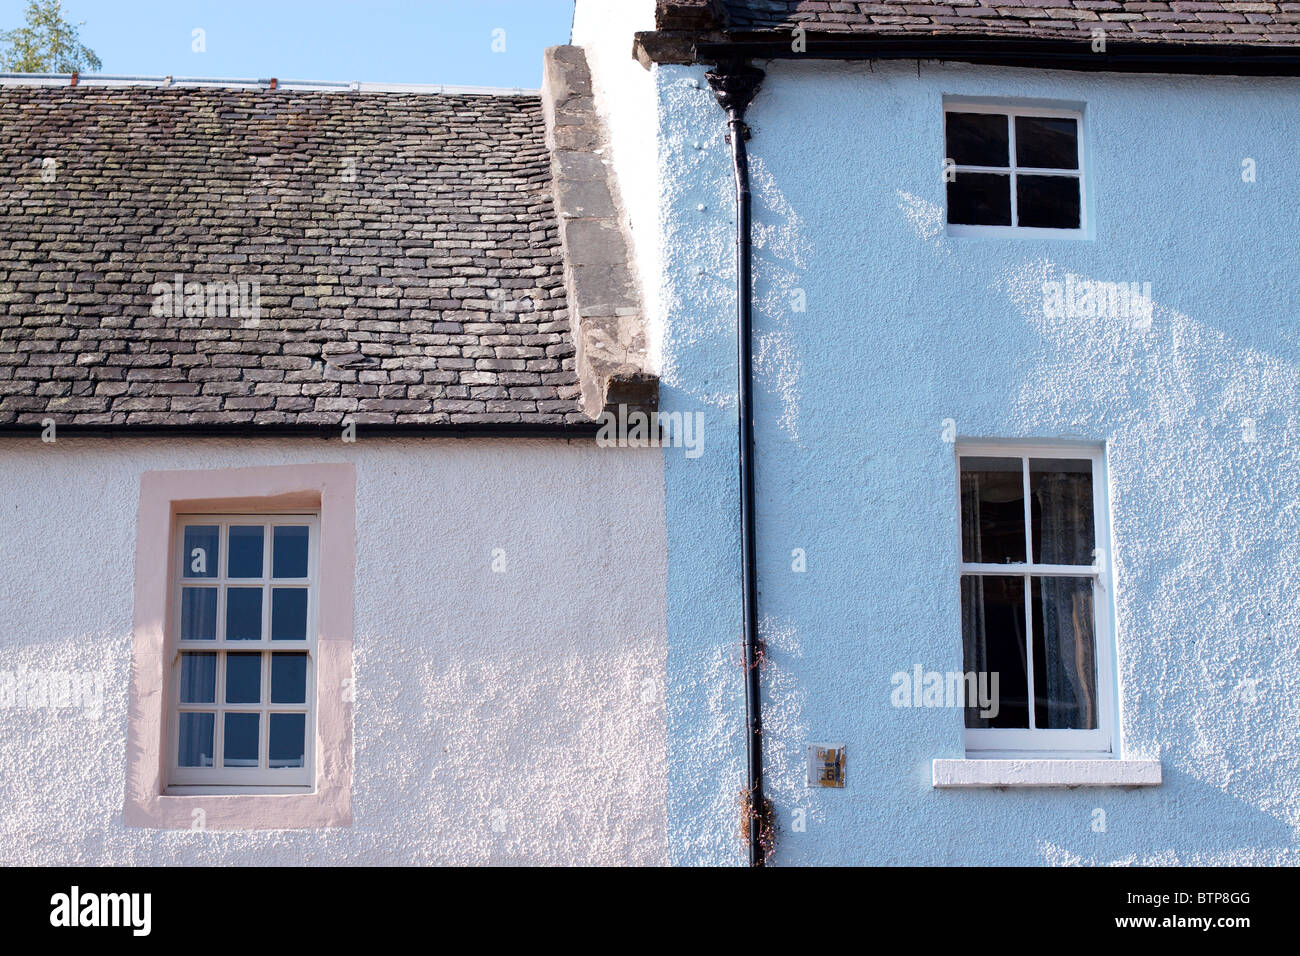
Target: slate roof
pixel 1182 21
pixel 404 246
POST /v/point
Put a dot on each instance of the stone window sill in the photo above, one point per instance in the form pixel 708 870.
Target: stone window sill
pixel 969 773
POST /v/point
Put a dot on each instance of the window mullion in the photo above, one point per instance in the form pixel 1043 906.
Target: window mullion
pixel 1011 164
pixel 221 611
pixel 1037 570
pixel 264 722
pixel 219 719
pixel 267 531
pixel 1029 591
pixel 264 718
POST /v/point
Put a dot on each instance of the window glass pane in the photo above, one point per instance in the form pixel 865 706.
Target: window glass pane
pixel 198 614
pixel 1047 142
pixel 288 614
pixel 1048 202
pixel 240 741
pixel 992 510
pixel 1060 491
pixel 287 737
pixel 243 678
pixel 245 548
pixel 980 199
pixel 1065 671
pixel 977 139
pixel 199 550
pixel 288 678
pixel 198 678
pixel 243 614
pixel 194 749
pixel 290 547
pixel 993 647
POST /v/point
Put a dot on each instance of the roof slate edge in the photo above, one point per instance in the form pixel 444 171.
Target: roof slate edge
pixel 574 430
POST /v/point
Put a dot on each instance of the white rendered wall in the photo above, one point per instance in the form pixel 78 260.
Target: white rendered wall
pixel 626 101
pixel 499 717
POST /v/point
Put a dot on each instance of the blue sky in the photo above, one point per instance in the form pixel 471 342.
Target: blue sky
pixel 394 41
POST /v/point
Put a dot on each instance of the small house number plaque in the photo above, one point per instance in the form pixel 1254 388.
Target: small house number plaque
pixel 827 764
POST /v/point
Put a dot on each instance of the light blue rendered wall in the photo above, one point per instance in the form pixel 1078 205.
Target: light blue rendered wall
pixel 904 328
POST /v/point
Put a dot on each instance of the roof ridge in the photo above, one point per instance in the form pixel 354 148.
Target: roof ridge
pixel 202 82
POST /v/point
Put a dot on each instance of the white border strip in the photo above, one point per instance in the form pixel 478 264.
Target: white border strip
pixel 951 774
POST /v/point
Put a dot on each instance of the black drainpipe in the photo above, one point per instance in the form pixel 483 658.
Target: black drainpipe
pixel 734 83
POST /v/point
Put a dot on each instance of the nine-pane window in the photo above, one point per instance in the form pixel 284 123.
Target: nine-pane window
pixel 245 636
pixel 1013 169
pixel 1033 607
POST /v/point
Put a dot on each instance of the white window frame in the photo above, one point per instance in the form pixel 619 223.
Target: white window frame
pixel 261 779
pixel 1005 742
pixel 1014 231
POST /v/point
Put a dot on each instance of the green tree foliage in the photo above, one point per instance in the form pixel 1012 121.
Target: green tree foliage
pixel 47 44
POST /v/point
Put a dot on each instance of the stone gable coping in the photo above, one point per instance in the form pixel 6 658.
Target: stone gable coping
pixel 605 305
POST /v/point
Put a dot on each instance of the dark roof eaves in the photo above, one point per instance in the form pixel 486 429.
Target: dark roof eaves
pixel 1120 56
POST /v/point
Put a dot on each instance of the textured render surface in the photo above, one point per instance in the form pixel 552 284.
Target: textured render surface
pixel 404 248
pixel 905 328
pixel 500 717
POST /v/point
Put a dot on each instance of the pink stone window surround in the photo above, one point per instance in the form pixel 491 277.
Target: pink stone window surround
pixel 328 489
